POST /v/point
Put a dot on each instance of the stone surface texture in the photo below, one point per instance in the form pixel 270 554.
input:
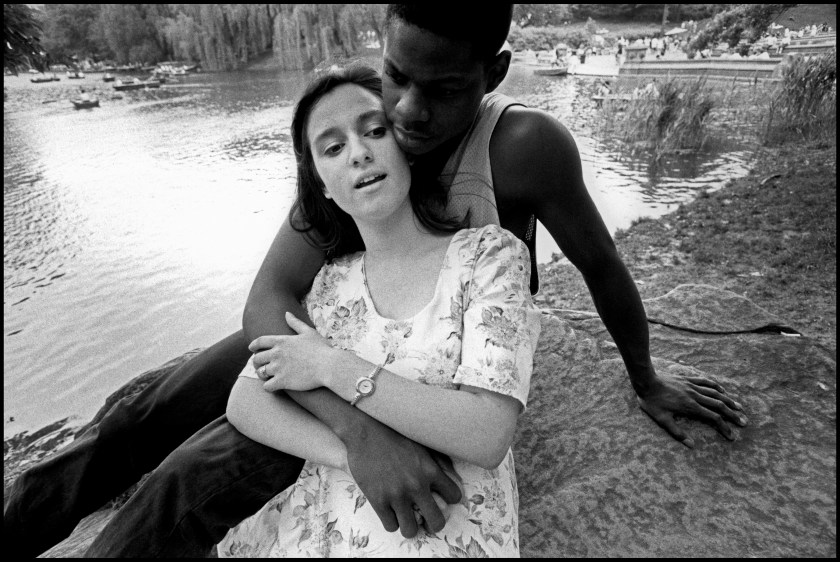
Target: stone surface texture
pixel 598 478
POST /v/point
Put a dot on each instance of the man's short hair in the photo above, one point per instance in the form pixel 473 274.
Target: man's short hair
pixel 486 28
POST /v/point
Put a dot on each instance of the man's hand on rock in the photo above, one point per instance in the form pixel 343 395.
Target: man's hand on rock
pixel 696 397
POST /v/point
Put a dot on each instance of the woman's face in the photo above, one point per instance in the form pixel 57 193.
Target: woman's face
pixel 356 156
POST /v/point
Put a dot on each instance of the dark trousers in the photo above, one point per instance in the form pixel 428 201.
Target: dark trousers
pixel 207 476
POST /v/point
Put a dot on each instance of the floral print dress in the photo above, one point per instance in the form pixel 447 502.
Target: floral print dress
pixel 481 329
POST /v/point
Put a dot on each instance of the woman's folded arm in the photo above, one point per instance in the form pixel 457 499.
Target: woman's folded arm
pixel 472 424
pixel 275 420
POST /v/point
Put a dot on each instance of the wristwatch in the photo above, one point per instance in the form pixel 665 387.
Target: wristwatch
pixel 366 386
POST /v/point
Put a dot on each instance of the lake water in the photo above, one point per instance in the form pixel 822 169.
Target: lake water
pixel 133 231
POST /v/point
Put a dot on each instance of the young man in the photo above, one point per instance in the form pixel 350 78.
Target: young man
pixel 437 71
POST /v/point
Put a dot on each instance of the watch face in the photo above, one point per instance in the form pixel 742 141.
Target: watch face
pixel 365 386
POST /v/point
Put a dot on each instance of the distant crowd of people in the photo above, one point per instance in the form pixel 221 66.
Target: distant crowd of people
pixel 772 42
pixel 776 39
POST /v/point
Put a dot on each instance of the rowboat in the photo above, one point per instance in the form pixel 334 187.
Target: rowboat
pixel 41 79
pixel 552 71
pixel 85 104
pixel 132 84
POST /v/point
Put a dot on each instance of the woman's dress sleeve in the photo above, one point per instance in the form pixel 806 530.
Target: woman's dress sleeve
pixel 501 323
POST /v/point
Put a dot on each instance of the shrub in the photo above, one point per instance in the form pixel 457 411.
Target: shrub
pixel 742 21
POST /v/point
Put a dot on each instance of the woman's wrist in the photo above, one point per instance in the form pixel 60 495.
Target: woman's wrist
pixel 331 363
pixel 345 367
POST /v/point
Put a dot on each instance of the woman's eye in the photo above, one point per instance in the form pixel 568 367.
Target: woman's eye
pixel 333 149
pixel 378 132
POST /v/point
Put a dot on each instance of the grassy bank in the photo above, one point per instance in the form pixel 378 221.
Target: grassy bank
pixel 770 236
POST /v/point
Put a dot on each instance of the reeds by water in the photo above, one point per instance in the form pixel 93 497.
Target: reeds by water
pixel 804 106
pixel 672 113
pixel 663 116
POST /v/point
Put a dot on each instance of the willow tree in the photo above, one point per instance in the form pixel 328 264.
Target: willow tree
pixel 133 31
pixel 232 34
pixel 220 36
pixel 308 34
pixel 229 36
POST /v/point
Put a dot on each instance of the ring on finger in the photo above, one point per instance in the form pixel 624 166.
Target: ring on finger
pixel 261 372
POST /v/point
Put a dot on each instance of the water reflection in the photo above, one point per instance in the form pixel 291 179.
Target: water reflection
pixel 132 232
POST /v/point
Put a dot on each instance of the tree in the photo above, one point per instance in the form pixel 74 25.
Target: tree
pixel 73 31
pixel 743 21
pixel 581 12
pixel 540 15
pixel 21 31
pixel 131 33
pixel 219 36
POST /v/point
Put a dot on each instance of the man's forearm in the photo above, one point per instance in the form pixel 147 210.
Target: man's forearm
pixel 268 317
pixel 342 418
pixel 618 303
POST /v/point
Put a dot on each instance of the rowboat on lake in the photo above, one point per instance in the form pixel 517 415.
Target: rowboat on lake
pixel 45 78
pixel 552 71
pixel 85 104
pixel 134 84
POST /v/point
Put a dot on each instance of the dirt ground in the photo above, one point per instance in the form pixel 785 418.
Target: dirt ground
pixel 770 236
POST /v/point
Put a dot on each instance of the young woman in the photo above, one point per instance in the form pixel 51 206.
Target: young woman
pixel 430 329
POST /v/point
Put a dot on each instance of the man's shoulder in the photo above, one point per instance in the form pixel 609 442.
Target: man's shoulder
pixel 523 130
pixel 530 149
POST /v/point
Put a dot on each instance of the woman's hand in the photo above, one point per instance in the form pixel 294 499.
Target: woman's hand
pixel 293 362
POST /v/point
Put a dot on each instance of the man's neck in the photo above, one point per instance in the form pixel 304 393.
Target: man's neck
pixel 433 162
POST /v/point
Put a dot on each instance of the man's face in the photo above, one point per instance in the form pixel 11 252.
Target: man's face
pixel 432 88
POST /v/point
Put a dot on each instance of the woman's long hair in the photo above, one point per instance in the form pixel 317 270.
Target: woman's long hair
pixel 325 225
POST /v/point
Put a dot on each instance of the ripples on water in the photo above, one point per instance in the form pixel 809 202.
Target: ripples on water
pixel 132 232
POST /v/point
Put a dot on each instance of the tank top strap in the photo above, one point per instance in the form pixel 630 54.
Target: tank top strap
pixel 468 172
